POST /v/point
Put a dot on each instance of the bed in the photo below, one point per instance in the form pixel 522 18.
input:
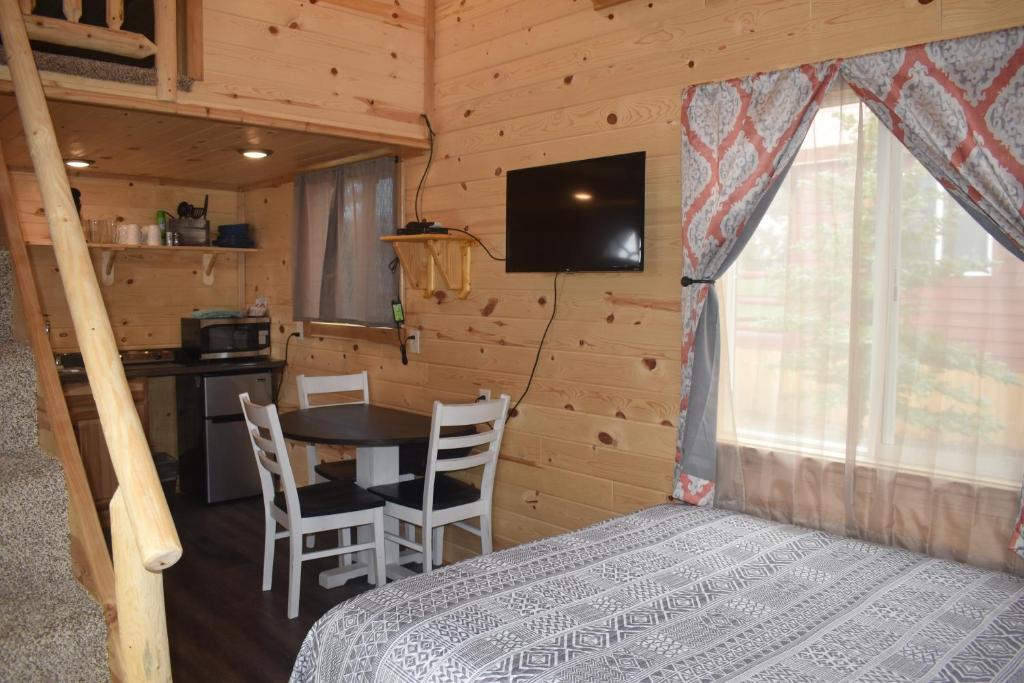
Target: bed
pixel 678 593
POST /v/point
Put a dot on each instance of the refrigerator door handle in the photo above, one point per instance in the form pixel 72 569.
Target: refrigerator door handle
pixel 219 419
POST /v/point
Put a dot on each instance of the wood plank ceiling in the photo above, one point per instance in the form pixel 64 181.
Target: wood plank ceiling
pixel 188 151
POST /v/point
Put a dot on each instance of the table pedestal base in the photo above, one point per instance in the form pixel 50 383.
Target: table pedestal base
pixel 339 576
pixel 374 466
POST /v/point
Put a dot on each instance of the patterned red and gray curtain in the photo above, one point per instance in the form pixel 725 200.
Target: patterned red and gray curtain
pixel 739 138
pixel 957 105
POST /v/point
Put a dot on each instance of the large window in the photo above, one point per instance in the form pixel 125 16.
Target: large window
pixel 869 314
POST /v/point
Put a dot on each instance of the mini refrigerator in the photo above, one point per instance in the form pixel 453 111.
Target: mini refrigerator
pixel 217 462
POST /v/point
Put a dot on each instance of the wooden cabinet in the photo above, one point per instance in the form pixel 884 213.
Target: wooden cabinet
pixel 95 457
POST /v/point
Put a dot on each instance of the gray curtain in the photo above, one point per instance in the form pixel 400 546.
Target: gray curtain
pixel 341 269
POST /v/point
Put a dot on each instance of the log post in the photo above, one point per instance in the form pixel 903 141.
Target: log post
pixel 73 10
pixel 165 15
pixel 115 14
pixel 141 617
pixel 190 39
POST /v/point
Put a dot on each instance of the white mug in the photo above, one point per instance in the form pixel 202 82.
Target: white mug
pixel 152 235
pixel 129 233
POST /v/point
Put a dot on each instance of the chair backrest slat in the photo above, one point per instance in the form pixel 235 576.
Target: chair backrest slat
pixel 464 463
pixel 310 386
pixel 266 445
pixel 461 414
pixel 271 465
pixel 446 443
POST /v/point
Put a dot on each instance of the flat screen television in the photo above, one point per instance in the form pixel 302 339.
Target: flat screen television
pixel 579 216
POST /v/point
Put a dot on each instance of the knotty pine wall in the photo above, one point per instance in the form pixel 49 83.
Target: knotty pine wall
pixel 527 82
pixel 152 290
pixel 354 64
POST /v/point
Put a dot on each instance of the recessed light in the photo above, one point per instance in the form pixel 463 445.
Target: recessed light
pixel 78 163
pixel 255 153
pixel 582 196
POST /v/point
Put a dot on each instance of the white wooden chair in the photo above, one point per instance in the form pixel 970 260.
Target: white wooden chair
pixel 331 384
pixel 307 510
pixel 343 470
pixel 436 500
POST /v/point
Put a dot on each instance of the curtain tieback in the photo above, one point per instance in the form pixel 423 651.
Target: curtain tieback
pixel 687 281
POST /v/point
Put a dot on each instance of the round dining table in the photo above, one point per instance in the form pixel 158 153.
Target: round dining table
pixel 376 433
pixel 358 424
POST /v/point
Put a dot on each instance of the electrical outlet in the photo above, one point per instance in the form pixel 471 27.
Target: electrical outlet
pixel 483 394
pixel 298 329
pixel 412 340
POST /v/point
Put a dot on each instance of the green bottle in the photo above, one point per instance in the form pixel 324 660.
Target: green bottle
pixel 161 220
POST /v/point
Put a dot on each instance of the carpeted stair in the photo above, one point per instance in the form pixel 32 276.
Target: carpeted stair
pixel 50 627
pixel 97 69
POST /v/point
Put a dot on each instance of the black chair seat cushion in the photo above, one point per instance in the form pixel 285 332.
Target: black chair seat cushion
pixel 331 498
pixel 342 470
pixel 448 493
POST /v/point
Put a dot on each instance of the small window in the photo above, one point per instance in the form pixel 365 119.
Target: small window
pixel 341 271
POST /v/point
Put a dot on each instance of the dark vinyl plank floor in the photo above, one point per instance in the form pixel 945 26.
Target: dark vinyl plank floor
pixel 221 625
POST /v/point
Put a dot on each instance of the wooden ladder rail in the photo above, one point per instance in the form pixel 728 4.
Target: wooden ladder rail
pixel 142 530
pixel 93 567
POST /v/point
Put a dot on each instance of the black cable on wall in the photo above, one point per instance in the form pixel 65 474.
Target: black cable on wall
pixel 540 347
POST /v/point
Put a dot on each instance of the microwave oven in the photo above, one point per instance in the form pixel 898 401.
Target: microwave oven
pixel 225 338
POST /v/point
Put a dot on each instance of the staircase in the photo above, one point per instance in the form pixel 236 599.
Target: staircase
pixel 50 628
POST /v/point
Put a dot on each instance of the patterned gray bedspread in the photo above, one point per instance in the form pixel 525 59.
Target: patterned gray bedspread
pixel 680 594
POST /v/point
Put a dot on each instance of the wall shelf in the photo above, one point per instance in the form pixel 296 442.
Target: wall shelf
pixel 108 252
pixel 424 256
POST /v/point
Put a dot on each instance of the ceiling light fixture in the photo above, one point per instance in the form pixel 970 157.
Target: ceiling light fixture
pixel 582 196
pixel 78 163
pixel 255 153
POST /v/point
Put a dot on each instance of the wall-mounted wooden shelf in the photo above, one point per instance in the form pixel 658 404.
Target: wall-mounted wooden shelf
pixel 424 256
pixel 149 247
pixel 108 251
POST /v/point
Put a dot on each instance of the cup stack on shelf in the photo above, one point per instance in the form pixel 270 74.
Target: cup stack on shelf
pixel 99 230
pixel 190 228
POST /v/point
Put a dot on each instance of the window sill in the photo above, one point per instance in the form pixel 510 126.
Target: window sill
pixel 895 465
pixel 347 331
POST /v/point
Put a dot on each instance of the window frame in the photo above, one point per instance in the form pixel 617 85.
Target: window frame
pixel 346 331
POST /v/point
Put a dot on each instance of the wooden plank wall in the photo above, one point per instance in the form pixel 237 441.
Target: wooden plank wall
pixel 152 290
pixel 355 64
pixel 528 82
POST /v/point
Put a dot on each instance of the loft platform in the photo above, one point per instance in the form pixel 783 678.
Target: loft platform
pixel 423 257
pixel 75 27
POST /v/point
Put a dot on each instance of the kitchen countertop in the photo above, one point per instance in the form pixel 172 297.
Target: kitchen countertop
pixel 172 368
